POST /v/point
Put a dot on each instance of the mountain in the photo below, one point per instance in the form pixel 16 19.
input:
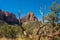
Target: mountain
pixel 30 17
pixel 10 18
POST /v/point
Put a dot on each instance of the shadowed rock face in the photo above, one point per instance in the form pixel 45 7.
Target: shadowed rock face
pixel 1 15
pixel 29 17
pixel 8 17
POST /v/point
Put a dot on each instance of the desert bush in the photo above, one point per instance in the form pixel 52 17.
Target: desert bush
pixel 9 31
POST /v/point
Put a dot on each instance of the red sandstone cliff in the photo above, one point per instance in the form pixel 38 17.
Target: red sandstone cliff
pixel 30 17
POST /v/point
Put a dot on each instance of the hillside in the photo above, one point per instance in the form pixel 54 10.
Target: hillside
pixel 15 32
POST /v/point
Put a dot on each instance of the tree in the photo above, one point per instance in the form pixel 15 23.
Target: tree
pixel 53 16
pixel 55 7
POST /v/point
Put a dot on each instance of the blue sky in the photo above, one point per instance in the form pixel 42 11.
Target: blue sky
pixel 24 6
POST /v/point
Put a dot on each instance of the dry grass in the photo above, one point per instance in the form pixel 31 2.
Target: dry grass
pixel 6 38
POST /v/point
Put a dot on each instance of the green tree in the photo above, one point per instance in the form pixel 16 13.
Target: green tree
pixel 53 16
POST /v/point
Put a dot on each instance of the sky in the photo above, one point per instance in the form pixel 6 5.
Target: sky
pixel 25 6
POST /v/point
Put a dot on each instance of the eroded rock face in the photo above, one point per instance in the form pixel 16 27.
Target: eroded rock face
pixel 29 17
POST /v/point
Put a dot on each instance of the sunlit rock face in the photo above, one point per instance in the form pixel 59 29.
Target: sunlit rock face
pixel 30 17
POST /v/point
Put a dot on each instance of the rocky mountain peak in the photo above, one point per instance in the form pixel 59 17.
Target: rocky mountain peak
pixel 30 13
pixel 30 17
pixel 8 17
